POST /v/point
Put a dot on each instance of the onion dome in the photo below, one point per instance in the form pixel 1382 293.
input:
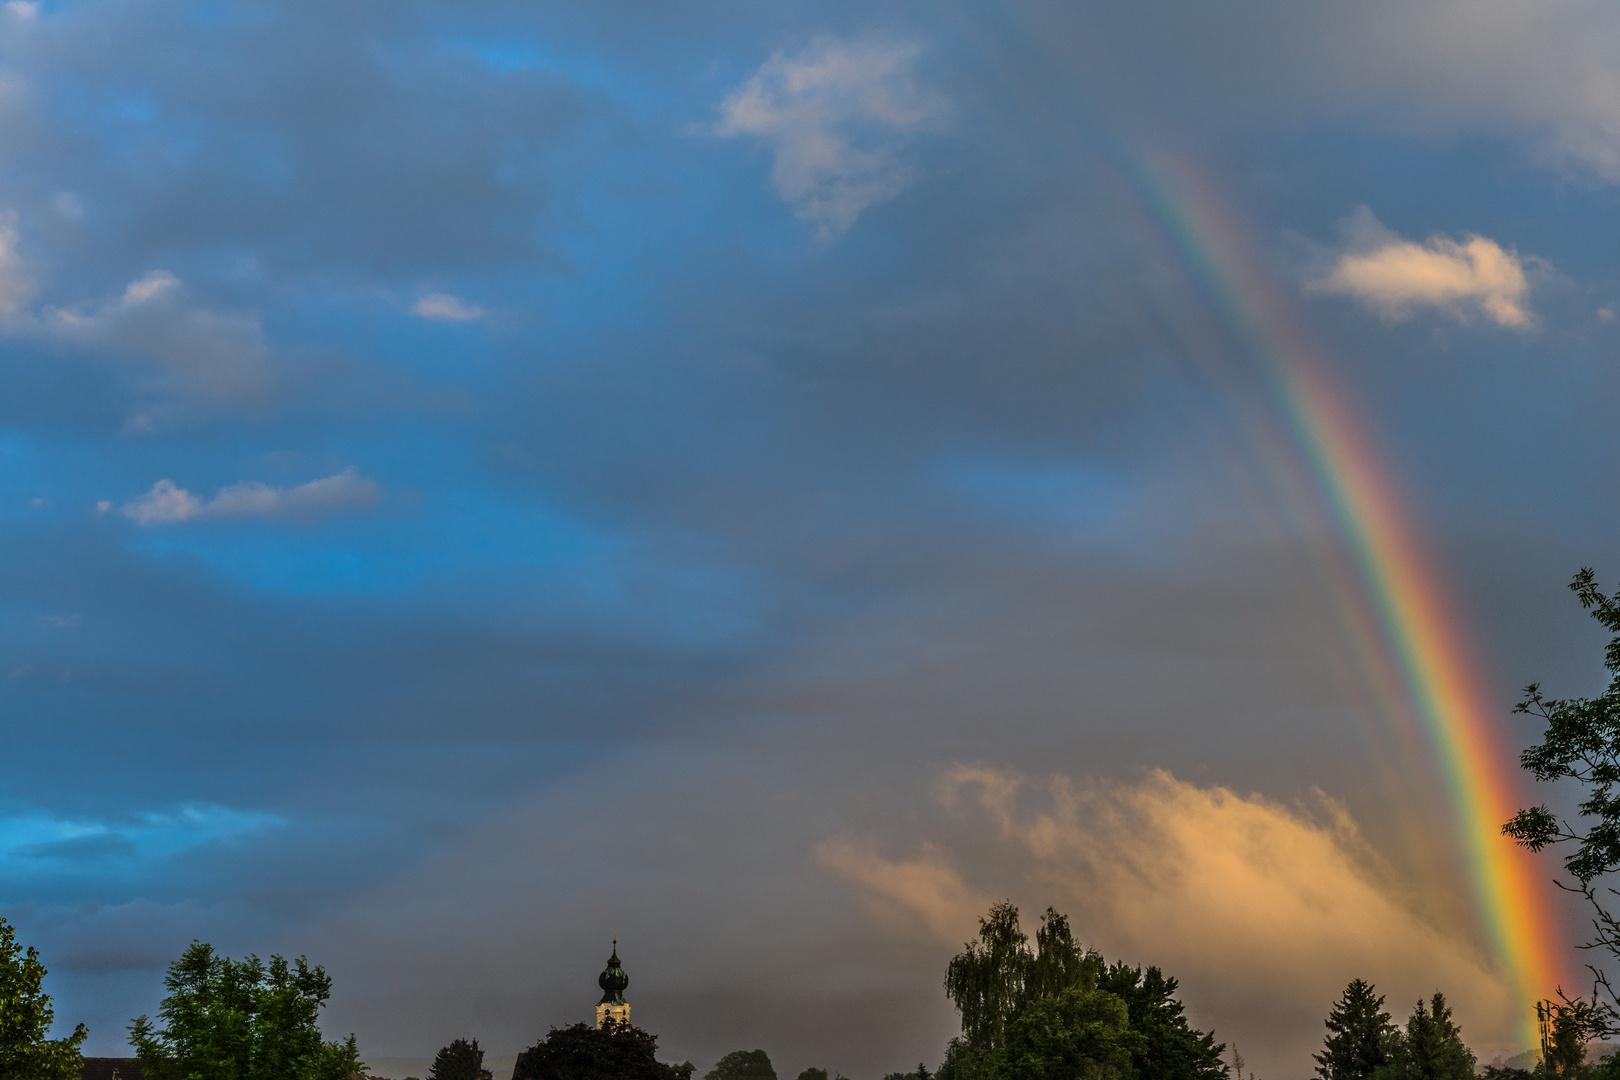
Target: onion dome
pixel 613 980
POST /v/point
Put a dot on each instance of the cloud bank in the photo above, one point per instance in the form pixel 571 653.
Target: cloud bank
pixel 1263 911
pixel 344 492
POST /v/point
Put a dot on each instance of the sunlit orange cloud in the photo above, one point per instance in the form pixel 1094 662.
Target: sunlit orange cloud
pixel 1264 911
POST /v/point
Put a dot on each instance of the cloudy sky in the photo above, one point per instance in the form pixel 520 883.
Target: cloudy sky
pixel 765 481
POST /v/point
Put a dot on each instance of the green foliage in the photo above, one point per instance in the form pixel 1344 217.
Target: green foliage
pixel 25 1018
pixel 1059 962
pixel 813 1074
pixel 742 1065
pixel 1580 741
pixel 611 1052
pixel 992 979
pixel 227 1019
pixel 1431 1047
pixel 1043 1011
pixel 964 1061
pixel 1166 1047
pixel 1076 1034
pixel 461 1060
pixel 1360 1031
pixel 986 979
pixel 922 1073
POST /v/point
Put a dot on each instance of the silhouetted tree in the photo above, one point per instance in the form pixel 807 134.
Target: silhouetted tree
pixel 742 1065
pixel 1563 1039
pixel 612 1052
pixel 25 1018
pixel 1431 1047
pixel 813 1074
pixel 1357 1045
pixel 1580 740
pixel 241 1020
pixel 1165 1046
pixel 922 1073
pixel 461 1060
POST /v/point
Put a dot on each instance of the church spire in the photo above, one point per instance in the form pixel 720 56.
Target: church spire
pixel 613 982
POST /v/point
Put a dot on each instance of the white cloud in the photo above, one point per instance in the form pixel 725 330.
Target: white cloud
pixel 166 504
pixel 1395 277
pixel 835 114
pixel 146 289
pixel 163 504
pixel 205 355
pixel 202 357
pixel 23 9
pixel 446 307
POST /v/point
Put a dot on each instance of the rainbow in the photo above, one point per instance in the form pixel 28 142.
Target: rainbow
pixel 1399 613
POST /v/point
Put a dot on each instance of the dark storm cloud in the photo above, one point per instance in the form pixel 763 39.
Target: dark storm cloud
pixel 722 478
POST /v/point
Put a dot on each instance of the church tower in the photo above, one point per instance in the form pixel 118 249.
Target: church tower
pixel 613 981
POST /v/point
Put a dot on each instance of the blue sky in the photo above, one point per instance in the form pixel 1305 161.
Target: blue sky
pixel 478 478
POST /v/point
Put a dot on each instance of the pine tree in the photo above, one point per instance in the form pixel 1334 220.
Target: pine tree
pixel 25 1019
pixel 1433 1048
pixel 1164 1046
pixel 1360 1030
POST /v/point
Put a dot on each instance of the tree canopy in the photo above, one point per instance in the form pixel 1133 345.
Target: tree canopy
pixel 922 1073
pixel 26 1050
pixel 1078 1033
pixel 461 1060
pixel 1165 1047
pixel 612 1052
pixel 1431 1047
pixel 1059 1010
pixel 743 1065
pixel 227 1019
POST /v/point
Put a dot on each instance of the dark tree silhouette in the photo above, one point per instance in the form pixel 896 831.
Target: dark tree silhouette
pixel 1431 1047
pixel 461 1060
pixel 1359 1033
pixel 1580 740
pixel 742 1065
pixel 611 1052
